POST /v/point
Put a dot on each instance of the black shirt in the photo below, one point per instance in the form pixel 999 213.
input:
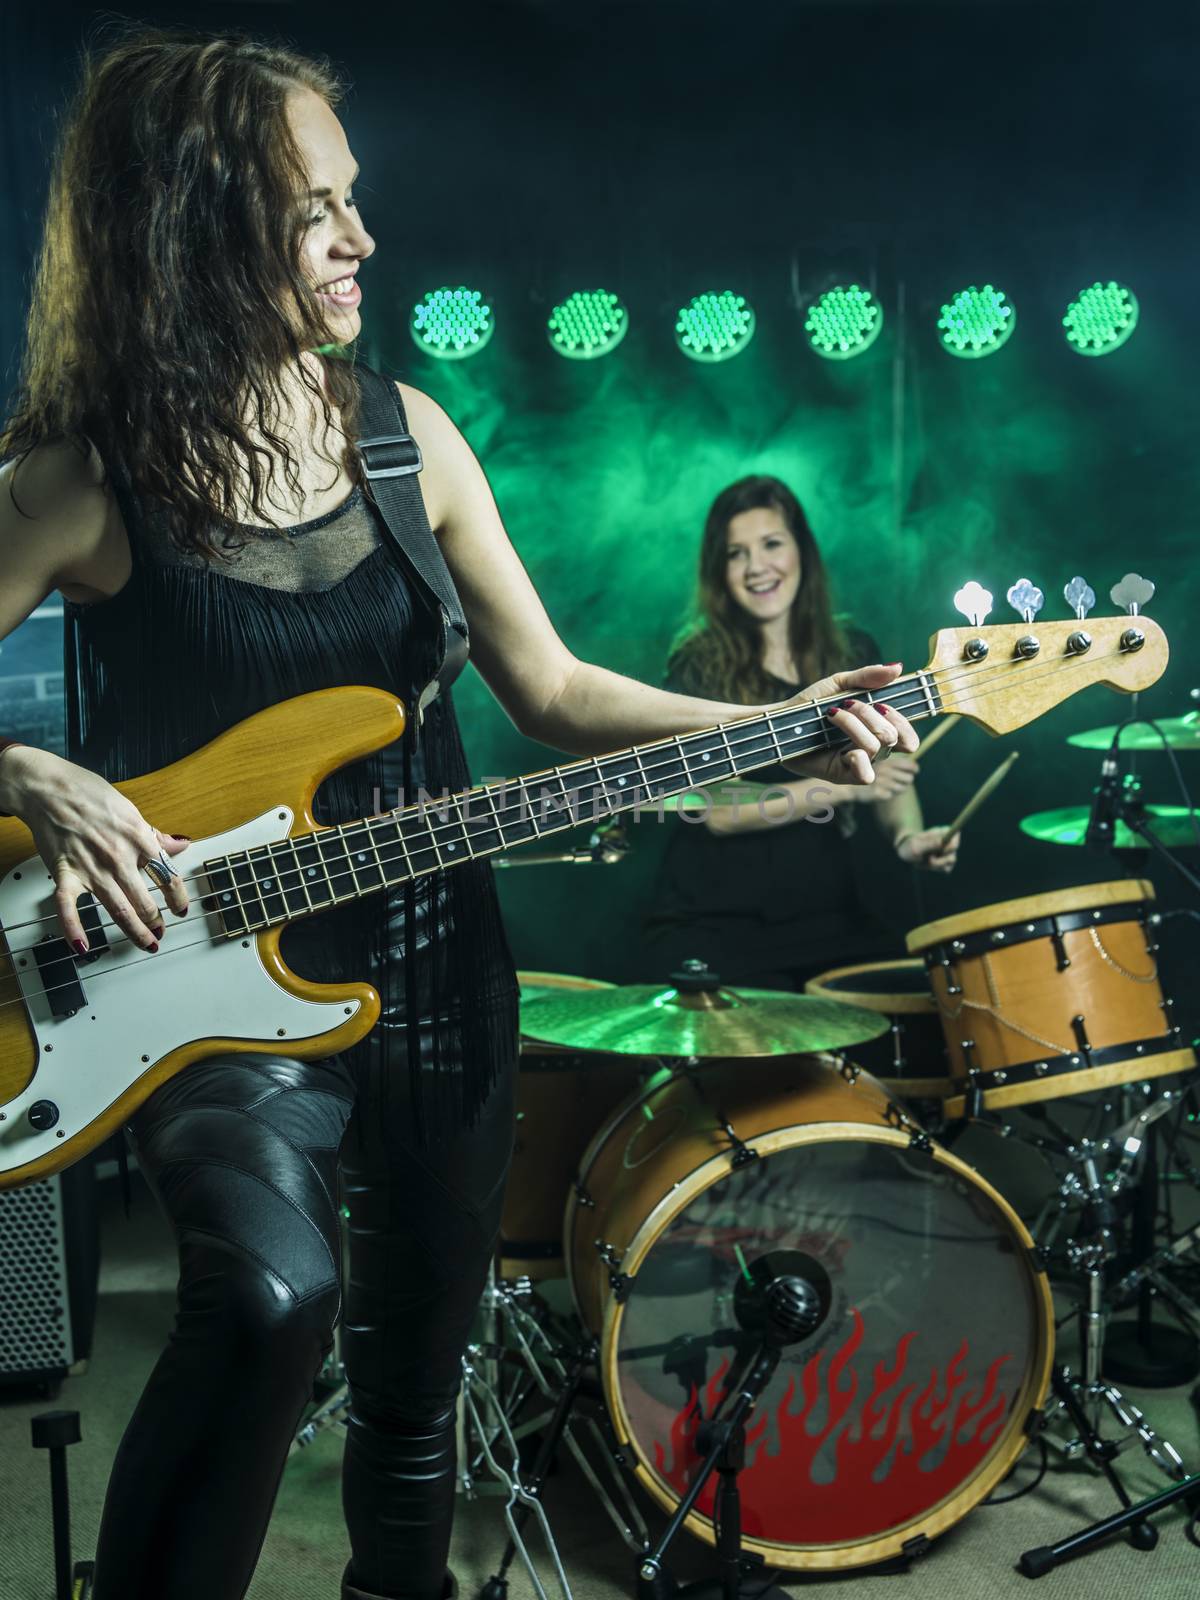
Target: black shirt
pixel 772 901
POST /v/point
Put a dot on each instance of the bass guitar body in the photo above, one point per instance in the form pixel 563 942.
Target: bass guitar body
pixel 84 1043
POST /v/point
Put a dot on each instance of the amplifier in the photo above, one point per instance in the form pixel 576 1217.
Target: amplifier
pixel 49 1260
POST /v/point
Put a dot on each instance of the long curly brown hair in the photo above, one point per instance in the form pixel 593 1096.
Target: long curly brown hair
pixel 168 299
pixel 720 652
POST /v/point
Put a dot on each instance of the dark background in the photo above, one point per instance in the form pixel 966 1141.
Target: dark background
pixel 530 147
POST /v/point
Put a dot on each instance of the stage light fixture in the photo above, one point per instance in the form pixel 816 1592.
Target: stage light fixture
pixel 976 322
pixel 589 323
pixel 451 324
pixel 714 326
pixel 843 322
pixel 1101 318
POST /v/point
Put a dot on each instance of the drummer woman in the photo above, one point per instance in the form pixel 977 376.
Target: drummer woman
pixel 763 888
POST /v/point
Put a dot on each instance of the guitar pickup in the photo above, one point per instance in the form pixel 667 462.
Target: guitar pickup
pixel 91 915
pixel 60 981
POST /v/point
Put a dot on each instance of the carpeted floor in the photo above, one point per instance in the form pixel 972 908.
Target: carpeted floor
pixel 306 1547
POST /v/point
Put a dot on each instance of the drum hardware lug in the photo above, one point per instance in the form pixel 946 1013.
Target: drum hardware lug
pixel 620 1283
pixel 582 1196
pixel 966 1046
pixel 1079 1029
pixel 999 1076
pixel 849 1071
pixel 1035 1421
pixel 743 1155
pixel 1062 959
pixel 609 1256
pixel 899 1119
pixel 916 1547
pixel 958 947
pixel 1039 1258
pixel 997 936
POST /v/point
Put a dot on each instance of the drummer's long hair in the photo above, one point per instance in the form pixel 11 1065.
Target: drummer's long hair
pixel 168 297
pixel 719 653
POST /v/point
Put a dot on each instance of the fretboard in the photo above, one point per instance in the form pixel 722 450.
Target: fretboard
pixel 259 888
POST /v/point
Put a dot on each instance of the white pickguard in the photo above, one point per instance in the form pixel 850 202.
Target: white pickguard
pixel 200 985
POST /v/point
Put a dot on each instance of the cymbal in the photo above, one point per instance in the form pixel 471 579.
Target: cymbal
pixel 648 1020
pixel 1171 825
pixel 1180 733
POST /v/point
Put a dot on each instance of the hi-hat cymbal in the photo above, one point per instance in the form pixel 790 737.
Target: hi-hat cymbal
pixel 648 1020
pixel 1171 825
pixel 1179 733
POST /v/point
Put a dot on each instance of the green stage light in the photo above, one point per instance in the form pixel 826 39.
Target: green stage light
pixel 589 323
pixel 976 322
pixel 452 323
pixel 1100 319
pixel 844 322
pixel 714 326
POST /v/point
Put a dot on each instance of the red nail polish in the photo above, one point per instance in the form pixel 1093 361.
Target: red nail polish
pixel 893 663
pixel 153 948
pixel 79 947
pixel 847 705
pixel 832 712
pixel 183 838
pixel 159 931
pixel 881 705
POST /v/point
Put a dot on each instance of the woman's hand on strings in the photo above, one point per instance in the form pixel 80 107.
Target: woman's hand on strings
pixel 93 840
pixel 873 731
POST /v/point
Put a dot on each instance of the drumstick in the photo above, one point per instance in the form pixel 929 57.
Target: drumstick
pixel 940 732
pixel 981 794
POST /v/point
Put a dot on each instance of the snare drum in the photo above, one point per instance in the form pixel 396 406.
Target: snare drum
pixel 912 1398
pixel 910 1061
pixel 1053 994
pixel 562 1098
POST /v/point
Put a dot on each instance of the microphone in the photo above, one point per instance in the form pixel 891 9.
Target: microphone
pixel 1106 797
pixel 793 1310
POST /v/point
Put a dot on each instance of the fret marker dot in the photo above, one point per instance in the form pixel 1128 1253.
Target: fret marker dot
pixel 621 782
pixel 310 872
pixel 707 756
pixel 451 847
pixel 267 882
pixel 227 897
pixel 360 855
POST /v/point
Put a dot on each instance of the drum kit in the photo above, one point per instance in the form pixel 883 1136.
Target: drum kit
pixel 740 1251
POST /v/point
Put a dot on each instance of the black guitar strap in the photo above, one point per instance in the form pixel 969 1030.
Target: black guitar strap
pixel 391 461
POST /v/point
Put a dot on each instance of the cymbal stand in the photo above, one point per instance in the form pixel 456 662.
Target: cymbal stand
pixel 1088 1399
pixel 560 1369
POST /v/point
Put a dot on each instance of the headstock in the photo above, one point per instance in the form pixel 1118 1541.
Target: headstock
pixel 1004 676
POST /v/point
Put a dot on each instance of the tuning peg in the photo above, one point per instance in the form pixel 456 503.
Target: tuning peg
pixel 975 603
pixel 1026 599
pixel 1132 593
pixel 1080 596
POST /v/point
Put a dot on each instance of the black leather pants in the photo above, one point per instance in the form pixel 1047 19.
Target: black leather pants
pixel 243 1152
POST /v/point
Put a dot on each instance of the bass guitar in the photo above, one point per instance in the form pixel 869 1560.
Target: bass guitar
pixel 85 1040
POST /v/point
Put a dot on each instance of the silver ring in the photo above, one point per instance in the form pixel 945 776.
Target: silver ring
pixel 161 870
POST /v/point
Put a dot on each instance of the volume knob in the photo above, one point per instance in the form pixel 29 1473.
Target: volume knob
pixel 43 1114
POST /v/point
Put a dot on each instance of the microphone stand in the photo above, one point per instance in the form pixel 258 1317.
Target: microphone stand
pixel 793 1309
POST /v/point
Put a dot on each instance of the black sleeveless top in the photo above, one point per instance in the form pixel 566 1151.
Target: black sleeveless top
pixel 190 646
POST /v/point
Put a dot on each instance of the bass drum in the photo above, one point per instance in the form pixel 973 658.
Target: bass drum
pixel 908 1404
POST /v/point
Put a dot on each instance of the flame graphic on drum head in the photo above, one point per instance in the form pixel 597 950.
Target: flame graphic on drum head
pixel 868 1466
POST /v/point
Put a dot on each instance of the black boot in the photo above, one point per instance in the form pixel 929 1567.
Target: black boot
pixel 349 1592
